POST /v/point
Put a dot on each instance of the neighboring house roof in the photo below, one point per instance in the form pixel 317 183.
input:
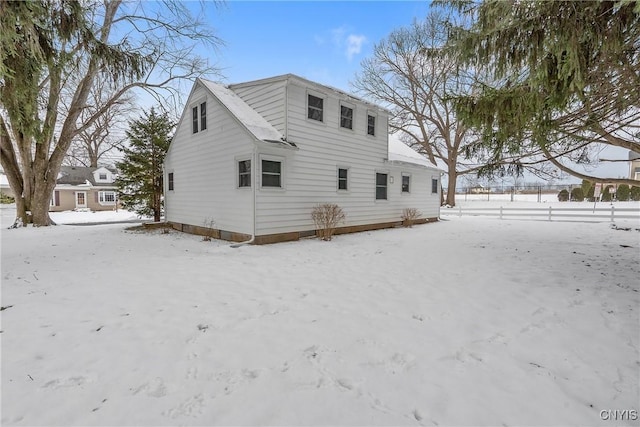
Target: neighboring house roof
pixel 257 125
pixel 77 175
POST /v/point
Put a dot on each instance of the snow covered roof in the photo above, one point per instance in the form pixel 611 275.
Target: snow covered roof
pixel 78 175
pixel 257 125
pixel 400 152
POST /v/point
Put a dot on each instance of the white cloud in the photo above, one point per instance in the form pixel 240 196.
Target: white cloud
pixel 348 43
pixel 354 45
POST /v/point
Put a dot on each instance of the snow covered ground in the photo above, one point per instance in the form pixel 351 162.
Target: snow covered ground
pixel 469 321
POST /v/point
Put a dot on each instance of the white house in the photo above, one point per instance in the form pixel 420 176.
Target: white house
pixel 249 162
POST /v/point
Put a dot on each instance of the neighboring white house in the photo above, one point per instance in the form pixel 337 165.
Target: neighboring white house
pixel 251 160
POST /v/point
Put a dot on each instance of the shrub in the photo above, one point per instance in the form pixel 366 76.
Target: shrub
pixel 563 196
pixel 634 193
pixel 5 199
pixel 606 194
pixel 623 192
pixel 208 225
pixel 587 187
pixel 409 216
pixel 577 194
pixel 326 217
pixel 590 194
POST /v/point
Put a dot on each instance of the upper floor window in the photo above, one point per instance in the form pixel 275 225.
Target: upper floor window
pixel 199 118
pixel 244 173
pixel 271 173
pixel 194 116
pixel 434 185
pixel 315 108
pixel 371 125
pixel 346 117
pixel 203 116
pixel 343 179
pixel 102 177
pixel 170 179
pixel 381 186
pixel 405 183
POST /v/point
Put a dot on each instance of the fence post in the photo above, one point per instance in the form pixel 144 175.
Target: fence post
pixel 459 211
pixel 549 213
pixel 500 212
pixel 612 212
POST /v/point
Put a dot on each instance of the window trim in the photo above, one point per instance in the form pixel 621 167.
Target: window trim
pixel 435 181
pixel 203 117
pixel 198 121
pixel 386 186
pixel 321 96
pixel 404 175
pixel 269 158
pixel 375 123
pixel 102 199
pixel 346 180
pixel 170 181
pixel 352 107
pixel 238 173
pixel 194 120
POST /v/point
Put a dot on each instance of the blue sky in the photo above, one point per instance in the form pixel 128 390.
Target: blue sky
pixel 323 41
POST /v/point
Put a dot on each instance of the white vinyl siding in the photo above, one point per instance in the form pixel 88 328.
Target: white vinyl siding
pixel 311 171
pixel 204 169
pixel 268 99
pixel 207 171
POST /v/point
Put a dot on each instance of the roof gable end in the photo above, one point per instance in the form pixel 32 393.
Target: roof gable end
pixel 249 118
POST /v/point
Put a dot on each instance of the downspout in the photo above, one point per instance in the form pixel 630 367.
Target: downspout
pixel 253 187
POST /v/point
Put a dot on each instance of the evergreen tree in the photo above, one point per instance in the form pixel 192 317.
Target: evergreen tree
pixel 623 192
pixel 140 181
pixel 56 58
pixel 565 78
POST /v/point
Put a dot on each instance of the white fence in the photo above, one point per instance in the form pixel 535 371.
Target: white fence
pixel 548 213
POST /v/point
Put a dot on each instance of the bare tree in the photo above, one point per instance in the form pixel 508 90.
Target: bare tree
pixel 149 46
pixel 414 76
pixel 97 144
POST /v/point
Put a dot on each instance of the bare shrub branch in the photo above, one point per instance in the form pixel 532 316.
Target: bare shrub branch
pixel 326 218
pixel 409 216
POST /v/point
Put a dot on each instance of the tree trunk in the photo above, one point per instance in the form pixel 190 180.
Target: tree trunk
pixel 451 186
